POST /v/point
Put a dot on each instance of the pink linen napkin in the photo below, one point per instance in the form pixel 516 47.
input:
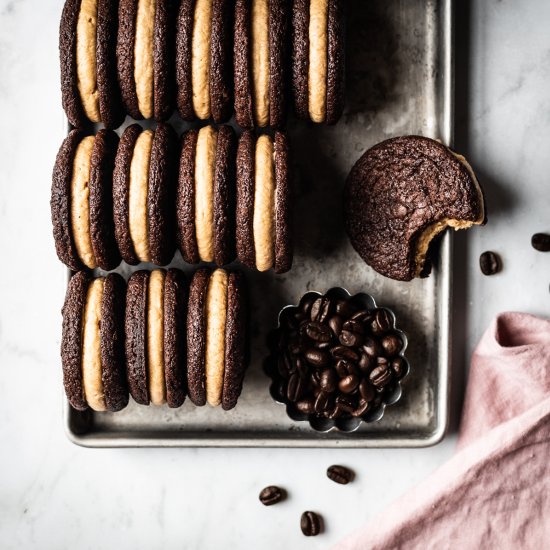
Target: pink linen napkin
pixel 495 491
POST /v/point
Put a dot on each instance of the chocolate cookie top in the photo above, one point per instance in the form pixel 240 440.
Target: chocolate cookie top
pixel 102 231
pixel 235 340
pixel 185 199
pixel 401 192
pixel 242 72
pixel 335 61
pixel 300 57
pixel 164 59
pixel 175 316
pixel 184 37
pixel 121 187
pixel 71 339
pixel 135 327
pixel 113 364
pixel 278 31
pixel 196 337
pixel 283 214
pixel 60 202
pixel 161 195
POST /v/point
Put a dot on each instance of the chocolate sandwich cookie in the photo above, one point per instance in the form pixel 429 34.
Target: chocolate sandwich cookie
pixel 203 59
pixel 318 50
pixel 216 337
pixel 403 192
pixel 205 198
pixel 143 194
pixel 92 343
pixel 145 57
pixel 155 337
pixel 87 43
pixel 263 232
pixel 81 201
pixel 259 49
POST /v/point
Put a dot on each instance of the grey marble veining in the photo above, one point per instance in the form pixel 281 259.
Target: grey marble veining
pixel 56 495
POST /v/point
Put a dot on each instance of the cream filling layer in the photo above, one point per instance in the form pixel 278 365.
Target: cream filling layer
pixel 143 56
pixel 260 61
pixel 216 313
pixel 263 224
pixel 80 202
pixel 137 195
pixel 200 58
pixel 205 161
pixel 91 347
pixel 155 338
pixel 318 60
pixel 86 69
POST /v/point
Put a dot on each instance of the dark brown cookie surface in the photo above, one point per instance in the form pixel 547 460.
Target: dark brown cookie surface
pixel 60 202
pixel 127 13
pixel 235 340
pixel 102 230
pixel 164 59
pixel 184 37
pixel 185 199
pixel 161 195
pixel 300 57
pixel 135 328
pixel 113 365
pixel 224 196
pixel 242 66
pixel 283 214
pixel 71 339
pixel 335 61
pixel 196 337
pixel 244 230
pixel 278 30
pixel 396 191
pixel 121 187
pixel 175 317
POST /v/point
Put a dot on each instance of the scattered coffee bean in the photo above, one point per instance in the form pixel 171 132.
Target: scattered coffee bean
pixel 340 474
pixel 490 263
pixel 272 495
pixel 541 242
pixel 310 523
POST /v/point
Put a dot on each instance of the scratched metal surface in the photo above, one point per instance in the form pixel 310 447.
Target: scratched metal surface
pixel 399 81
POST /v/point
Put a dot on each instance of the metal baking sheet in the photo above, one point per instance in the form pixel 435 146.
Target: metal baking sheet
pixel 399 81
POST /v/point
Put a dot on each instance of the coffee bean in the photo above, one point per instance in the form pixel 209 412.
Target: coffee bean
pixel 318 332
pixel 366 390
pixel 365 363
pixel 350 339
pixel 362 408
pixel 306 303
pixel 346 403
pixel 398 366
pixel 380 376
pixel 322 402
pixel 372 347
pixel 310 524
pixel 343 352
pixel 322 345
pixel 328 380
pixel 489 263
pixel 345 308
pixel 272 495
pixel 335 323
pixel 305 406
pixel 317 357
pixel 365 316
pixel 382 321
pixel 320 309
pixel 392 344
pixel 348 383
pixel 541 242
pixel 340 474
pixel 295 387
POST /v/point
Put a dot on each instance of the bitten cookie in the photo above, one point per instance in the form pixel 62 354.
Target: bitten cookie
pixel 145 57
pixel 259 51
pixel 400 194
pixel 143 194
pixel 87 51
pixel 263 232
pixel 205 199
pixel 203 59
pixel 92 343
pixel 81 201
pixel 155 337
pixel 318 52
pixel 216 337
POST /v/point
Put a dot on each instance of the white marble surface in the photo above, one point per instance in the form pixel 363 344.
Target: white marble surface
pixel 56 495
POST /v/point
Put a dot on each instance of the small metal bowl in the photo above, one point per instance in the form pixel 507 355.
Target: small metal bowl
pixel 390 394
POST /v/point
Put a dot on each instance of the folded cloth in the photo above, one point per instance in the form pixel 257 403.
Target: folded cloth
pixel 494 493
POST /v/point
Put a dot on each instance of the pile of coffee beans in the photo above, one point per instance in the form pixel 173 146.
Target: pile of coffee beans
pixel 336 357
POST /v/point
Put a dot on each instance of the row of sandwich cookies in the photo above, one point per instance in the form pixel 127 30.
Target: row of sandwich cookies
pixel 143 57
pixel 137 198
pixel 155 339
